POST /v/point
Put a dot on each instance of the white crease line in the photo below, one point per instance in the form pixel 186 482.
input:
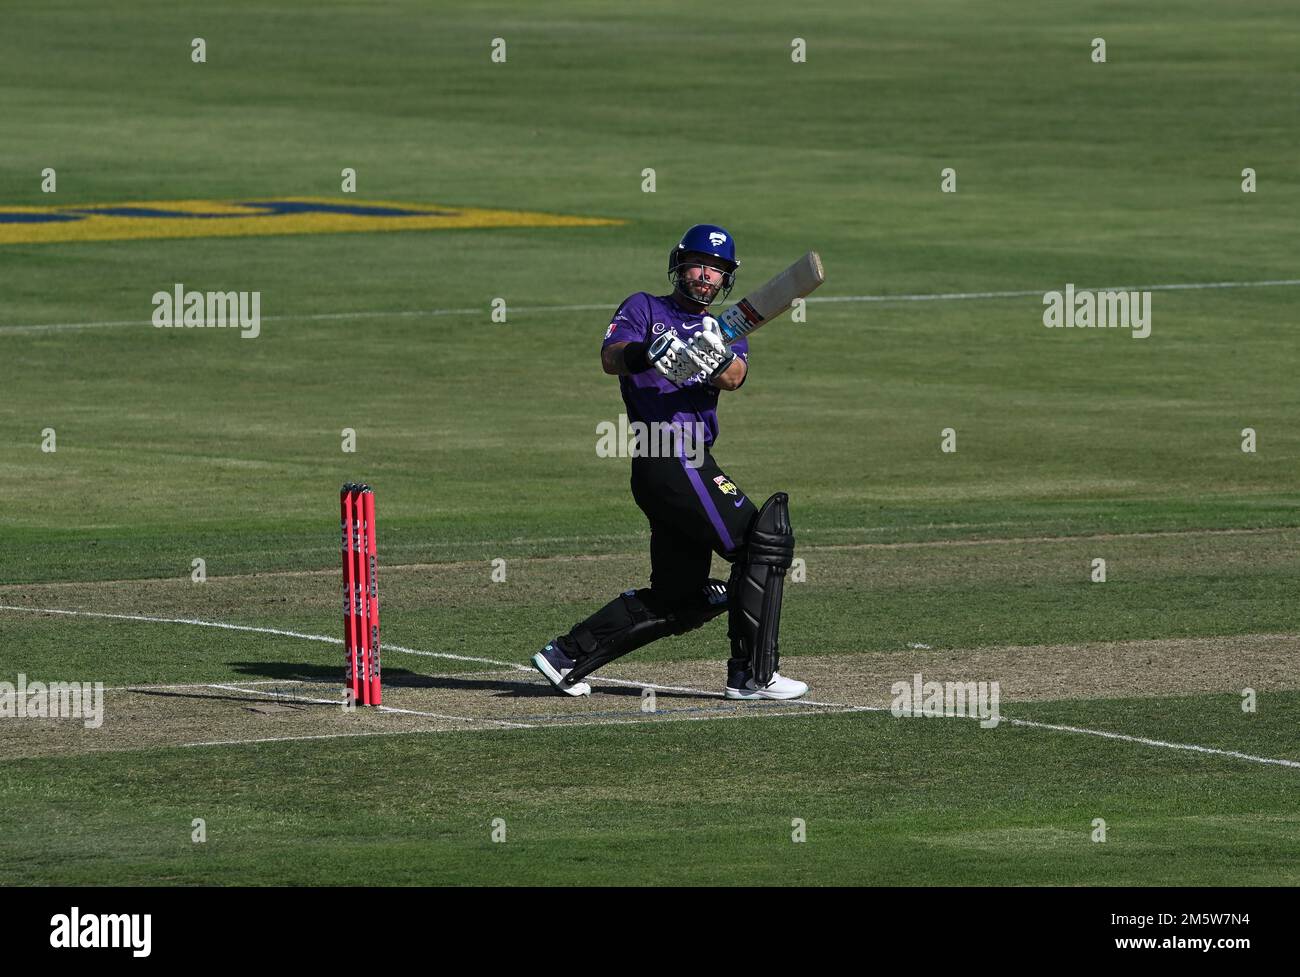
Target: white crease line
pixel 840 707
pixel 652 685
pixel 740 714
pixel 525 668
pixel 339 702
pixel 1025 293
pixel 315 316
pixel 196 685
pixel 1148 742
pixel 245 627
pixel 320 736
pixel 720 695
pixel 145 687
pixel 610 306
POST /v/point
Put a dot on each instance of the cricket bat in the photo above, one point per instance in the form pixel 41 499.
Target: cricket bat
pixel 768 301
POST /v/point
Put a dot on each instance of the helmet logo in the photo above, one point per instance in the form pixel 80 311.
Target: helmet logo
pixel 717 239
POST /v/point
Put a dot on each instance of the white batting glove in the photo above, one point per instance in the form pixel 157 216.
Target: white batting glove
pixel 707 349
pixel 672 358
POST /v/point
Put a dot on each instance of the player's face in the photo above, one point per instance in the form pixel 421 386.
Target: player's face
pixel 701 282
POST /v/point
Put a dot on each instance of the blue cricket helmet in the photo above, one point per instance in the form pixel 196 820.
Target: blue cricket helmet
pixel 712 241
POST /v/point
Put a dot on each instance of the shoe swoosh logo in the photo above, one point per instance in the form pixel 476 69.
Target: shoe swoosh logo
pixel 739 501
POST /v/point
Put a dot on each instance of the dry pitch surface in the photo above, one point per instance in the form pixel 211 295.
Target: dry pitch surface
pixel 513 696
pixel 431 689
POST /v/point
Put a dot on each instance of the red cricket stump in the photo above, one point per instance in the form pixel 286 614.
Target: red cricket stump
pixel 360 609
pixel 360 595
pixel 351 672
pixel 372 600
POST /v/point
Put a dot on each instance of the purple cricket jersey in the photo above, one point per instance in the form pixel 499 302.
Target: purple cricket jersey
pixel 648 395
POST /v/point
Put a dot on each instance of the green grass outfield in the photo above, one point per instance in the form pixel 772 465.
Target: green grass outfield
pixel 480 438
pixel 884 801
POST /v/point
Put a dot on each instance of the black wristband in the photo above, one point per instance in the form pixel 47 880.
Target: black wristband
pixel 634 357
pixel 722 367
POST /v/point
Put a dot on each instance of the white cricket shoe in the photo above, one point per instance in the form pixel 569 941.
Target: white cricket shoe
pixel 741 685
pixel 555 664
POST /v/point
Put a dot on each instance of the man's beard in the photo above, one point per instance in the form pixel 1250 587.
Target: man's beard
pixel 702 292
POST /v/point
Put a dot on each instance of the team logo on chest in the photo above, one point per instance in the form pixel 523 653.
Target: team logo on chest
pixel 724 484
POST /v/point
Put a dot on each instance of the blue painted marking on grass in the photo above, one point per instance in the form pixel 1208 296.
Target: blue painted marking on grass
pixel 19 218
pixel 261 208
pixel 151 213
pixel 355 210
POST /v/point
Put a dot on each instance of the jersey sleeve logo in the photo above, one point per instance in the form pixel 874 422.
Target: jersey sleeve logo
pixel 610 331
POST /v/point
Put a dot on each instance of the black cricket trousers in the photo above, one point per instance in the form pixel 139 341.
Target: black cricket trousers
pixel 693 513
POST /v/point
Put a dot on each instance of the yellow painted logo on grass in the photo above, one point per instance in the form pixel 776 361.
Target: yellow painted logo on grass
pixel 288 215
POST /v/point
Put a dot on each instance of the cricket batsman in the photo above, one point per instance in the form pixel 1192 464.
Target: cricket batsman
pixel 672 365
